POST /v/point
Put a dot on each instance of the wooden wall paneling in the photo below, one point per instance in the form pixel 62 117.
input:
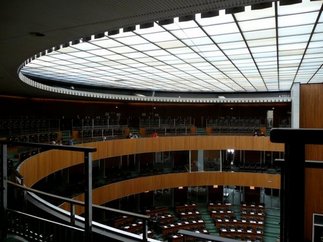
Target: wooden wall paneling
pixel 41 165
pixel 313 196
pixel 45 163
pixel 311 116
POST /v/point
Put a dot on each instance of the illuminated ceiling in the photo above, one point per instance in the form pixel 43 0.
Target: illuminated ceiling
pixel 265 50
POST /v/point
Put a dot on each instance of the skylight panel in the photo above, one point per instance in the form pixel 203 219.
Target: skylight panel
pixel 227 28
pixel 167 58
pixel 156 53
pixel 317 39
pixel 161 36
pixel 67 50
pixel 85 46
pixel 95 59
pixel 198 41
pixel 259 34
pixel 81 54
pixel 262 42
pixel 145 47
pixel 263 49
pixel 101 52
pixel 205 48
pixel 296 46
pixel 39 63
pixel 225 38
pixel 297 19
pixel 131 40
pixel 63 56
pixel 236 52
pixel 170 44
pixel 122 49
pixel 235 45
pixel 257 24
pixel 189 33
pixel 183 50
pixel 106 43
pixel 292 30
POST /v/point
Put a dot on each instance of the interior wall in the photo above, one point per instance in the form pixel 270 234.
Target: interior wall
pixel 311 116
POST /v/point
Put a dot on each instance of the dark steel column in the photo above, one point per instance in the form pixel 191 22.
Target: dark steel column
pixel 292 193
pixel 88 195
pixel 293 179
pixel 4 191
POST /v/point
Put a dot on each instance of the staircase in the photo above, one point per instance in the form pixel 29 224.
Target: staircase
pixel 272 225
pixel 209 223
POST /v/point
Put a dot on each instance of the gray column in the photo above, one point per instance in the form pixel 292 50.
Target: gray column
pixel 200 160
pixel 295 95
pixel 88 195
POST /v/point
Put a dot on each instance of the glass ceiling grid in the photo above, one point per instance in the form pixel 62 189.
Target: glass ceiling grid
pixel 250 52
pixel 171 50
pixel 255 50
pixel 140 72
pixel 317 15
pixel 187 52
pixel 225 54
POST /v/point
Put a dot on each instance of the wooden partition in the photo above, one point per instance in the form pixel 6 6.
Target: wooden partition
pixel 138 185
pixel 311 116
pixel 42 165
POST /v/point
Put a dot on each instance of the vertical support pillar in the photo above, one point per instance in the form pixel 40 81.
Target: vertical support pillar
pixel 295 114
pixel 4 191
pixel 221 160
pixel 88 196
pixel 72 214
pixel 200 160
pixel 292 193
pixel 189 161
pixel 145 231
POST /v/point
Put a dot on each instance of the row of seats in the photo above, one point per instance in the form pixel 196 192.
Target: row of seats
pixel 249 227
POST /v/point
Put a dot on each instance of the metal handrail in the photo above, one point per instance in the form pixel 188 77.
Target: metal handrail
pixel 74 202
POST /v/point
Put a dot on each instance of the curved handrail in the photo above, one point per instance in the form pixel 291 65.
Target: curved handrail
pixel 78 221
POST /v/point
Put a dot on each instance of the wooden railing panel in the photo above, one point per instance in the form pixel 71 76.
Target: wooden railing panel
pixel 41 165
pixel 138 185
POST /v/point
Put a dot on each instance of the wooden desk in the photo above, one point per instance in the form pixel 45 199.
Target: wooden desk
pixel 218 206
pixel 173 228
pixel 239 223
pixel 242 234
pixel 189 215
pixel 222 214
pixel 158 211
pixel 186 207
pixel 249 215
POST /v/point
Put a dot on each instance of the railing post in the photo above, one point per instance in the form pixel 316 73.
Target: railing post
pixel 88 196
pixel 4 190
pixel 144 230
pixel 72 213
